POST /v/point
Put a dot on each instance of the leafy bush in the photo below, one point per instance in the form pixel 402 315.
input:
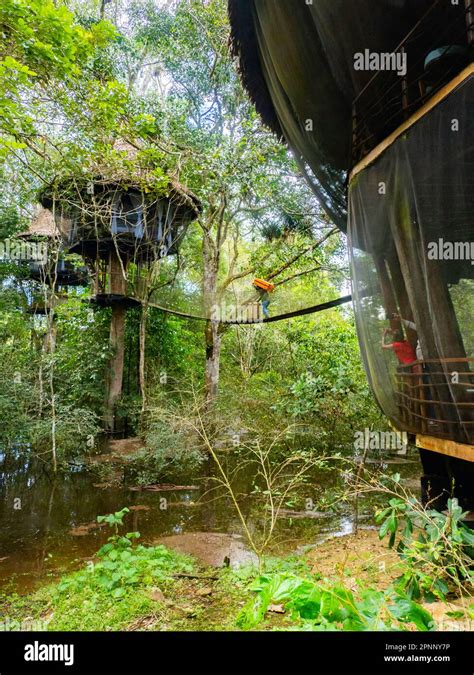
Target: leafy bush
pixel 437 548
pixel 74 427
pixel 171 454
pixel 123 567
pixel 82 354
pixel 324 606
pixel 329 388
pixel 111 591
pixel 116 584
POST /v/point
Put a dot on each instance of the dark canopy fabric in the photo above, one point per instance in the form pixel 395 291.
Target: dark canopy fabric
pixel 412 255
pixel 296 61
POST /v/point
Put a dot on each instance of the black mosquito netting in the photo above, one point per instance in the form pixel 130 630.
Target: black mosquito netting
pixel 297 62
pixel 410 229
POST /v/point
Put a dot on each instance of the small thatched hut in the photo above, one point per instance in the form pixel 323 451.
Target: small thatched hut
pixel 53 269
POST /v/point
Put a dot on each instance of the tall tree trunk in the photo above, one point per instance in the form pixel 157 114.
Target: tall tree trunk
pixel 49 348
pixel 211 332
pixel 50 337
pixel 117 343
pixel 117 339
pixel 213 360
pixel 141 362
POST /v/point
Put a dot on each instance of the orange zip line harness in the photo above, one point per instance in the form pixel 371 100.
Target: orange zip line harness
pixel 264 285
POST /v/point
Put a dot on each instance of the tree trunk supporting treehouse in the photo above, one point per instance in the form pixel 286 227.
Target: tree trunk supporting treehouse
pixel 141 359
pixel 117 269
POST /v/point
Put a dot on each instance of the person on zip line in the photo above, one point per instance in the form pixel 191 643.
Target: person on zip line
pixel 264 288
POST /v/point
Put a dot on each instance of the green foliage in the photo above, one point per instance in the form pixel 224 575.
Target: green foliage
pixel 437 548
pixel 315 605
pixel 25 400
pixel 10 221
pixel 114 519
pixel 171 454
pixel 42 46
pixel 73 429
pixel 18 401
pixel 82 355
pixel 122 567
pixel 331 354
pixel 320 385
pixel 110 593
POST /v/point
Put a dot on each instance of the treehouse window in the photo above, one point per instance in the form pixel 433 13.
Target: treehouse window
pixel 127 216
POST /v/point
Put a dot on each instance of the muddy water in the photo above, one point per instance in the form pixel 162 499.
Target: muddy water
pixel 48 524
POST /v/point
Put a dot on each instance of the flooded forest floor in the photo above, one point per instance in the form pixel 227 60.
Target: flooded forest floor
pixel 206 598
pixel 192 568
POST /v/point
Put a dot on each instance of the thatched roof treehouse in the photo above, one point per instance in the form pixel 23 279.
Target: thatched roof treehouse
pixel 120 212
pixel 123 211
pixel 52 268
pixel 376 99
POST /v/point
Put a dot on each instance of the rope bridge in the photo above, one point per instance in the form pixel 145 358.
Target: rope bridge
pixel 280 317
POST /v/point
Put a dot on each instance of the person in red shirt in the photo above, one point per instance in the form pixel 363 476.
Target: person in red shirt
pixel 402 348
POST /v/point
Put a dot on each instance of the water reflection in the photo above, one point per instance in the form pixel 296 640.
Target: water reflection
pixel 48 523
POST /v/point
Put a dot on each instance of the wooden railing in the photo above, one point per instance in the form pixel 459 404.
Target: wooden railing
pixel 436 398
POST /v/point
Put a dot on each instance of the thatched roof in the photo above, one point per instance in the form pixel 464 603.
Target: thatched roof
pixel 42 225
pixel 123 167
pixel 338 25
pixel 185 196
pixel 244 48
